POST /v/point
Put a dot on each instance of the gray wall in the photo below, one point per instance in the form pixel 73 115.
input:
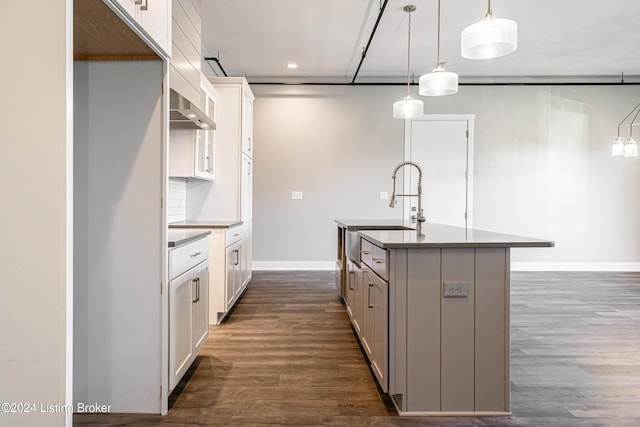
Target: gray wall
pixel 542 168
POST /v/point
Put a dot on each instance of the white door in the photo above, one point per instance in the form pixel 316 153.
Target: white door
pixel 443 146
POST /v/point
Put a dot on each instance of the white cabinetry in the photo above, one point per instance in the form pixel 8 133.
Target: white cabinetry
pixel 228 271
pixel 188 305
pixel 233 190
pixel 152 18
pixel 192 152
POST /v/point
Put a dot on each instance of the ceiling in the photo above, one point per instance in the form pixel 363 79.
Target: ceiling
pixel 257 38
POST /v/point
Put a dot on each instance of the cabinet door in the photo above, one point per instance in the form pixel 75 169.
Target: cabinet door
pixel 349 297
pixel 358 299
pixel 200 307
pixel 367 326
pixel 180 327
pixel 246 189
pixel 233 273
pixel 154 17
pixel 379 360
pixel 247 124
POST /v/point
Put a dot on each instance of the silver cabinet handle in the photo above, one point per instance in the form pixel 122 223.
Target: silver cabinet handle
pixel 145 6
pixel 378 260
pixel 370 286
pixel 351 281
pixel 237 257
pixel 365 252
pixel 194 298
pixel 138 2
pixel 196 254
pixel 250 144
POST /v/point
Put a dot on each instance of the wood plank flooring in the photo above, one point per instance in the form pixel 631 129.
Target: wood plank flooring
pixel 287 356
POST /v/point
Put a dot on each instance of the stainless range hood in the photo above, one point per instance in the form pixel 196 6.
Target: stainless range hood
pixel 185 115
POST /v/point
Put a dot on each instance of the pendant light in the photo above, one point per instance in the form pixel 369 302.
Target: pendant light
pixel 439 82
pixel 491 37
pixel 408 108
pixel 629 148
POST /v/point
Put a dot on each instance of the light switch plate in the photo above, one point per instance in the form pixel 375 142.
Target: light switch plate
pixel 456 290
pixel 296 195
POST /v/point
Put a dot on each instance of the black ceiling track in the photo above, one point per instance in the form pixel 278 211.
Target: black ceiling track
pixel 364 52
pixel 217 61
pixel 459 84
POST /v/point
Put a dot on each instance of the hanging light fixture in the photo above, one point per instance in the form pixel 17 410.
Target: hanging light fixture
pixel 439 82
pixel 629 148
pixel 491 37
pixel 408 108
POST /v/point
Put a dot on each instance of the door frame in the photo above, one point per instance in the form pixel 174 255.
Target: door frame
pixel 470 120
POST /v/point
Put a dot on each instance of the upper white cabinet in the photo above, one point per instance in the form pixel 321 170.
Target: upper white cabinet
pixel 247 121
pixel 192 152
pixel 153 18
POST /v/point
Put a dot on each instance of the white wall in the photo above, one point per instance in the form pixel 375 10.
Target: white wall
pixel 542 168
pixel 35 169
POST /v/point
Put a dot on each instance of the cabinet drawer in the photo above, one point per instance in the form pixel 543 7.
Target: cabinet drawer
pixel 366 252
pixel 187 256
pixel 234 234
pixel 380 262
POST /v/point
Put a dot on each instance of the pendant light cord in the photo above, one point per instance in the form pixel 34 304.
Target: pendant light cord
pixel 623 120
pixel 489 8
pixel 438 54
pixel 409 57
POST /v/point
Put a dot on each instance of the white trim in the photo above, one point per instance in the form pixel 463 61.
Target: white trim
pixel 293 265
pixel 68 293
pixel 575 266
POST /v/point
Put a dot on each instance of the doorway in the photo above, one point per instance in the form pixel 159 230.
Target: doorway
pixel 443 146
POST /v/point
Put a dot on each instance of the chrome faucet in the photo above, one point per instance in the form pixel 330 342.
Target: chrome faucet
pixel 420 217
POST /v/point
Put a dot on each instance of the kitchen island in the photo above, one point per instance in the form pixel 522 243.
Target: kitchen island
pixel 432 312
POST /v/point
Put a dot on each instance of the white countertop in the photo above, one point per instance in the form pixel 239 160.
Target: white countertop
pixel 204 224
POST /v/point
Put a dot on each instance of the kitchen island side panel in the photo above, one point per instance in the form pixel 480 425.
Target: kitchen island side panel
pixel 423 330
pixel 492 329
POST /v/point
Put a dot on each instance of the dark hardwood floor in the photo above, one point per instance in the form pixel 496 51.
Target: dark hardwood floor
pixel 287 356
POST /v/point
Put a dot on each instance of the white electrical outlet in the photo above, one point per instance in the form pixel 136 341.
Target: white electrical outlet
pixel 296 195
pixel 384 195
pixel 456 290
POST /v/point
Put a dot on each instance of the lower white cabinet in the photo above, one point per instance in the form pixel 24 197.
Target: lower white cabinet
pixel 229 267
pixel 234 279
pixel 188 306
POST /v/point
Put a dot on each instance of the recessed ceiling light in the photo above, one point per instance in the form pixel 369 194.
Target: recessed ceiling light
pixel 292 65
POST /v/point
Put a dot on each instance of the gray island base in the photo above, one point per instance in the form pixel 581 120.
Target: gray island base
pixel 431 312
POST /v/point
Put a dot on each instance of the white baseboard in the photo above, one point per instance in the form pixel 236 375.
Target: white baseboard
pixel 575 266
pixel 293 265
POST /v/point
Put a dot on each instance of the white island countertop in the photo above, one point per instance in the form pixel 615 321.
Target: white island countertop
pixel 445 236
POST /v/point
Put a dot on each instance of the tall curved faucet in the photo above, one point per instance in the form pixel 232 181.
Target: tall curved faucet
pixel 420 217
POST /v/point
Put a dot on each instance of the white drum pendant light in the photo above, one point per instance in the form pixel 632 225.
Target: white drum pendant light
pixel 439 82
pixel 408 108
pixel 490 38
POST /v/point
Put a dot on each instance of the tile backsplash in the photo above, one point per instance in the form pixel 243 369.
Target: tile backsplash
pixel 177 200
